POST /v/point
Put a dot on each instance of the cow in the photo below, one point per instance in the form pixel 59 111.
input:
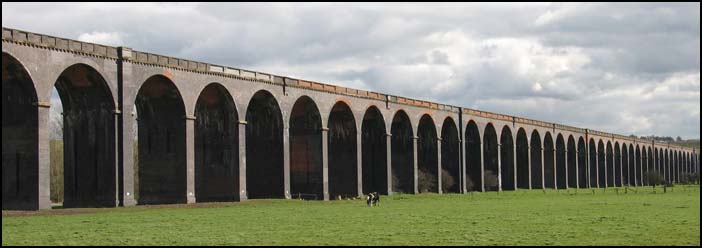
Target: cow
pixel 373 199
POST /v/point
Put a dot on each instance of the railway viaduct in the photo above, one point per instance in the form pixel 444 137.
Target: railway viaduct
pixel 142 128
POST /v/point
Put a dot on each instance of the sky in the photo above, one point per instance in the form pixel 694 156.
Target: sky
pixel 626 68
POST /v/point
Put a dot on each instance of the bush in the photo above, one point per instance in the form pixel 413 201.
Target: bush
pixel 690 178
pixel 684 178
pixel 447 181
pixel 427 182
pixel 654 178
pixel 56 177
pixel 491 181
pixel 469 183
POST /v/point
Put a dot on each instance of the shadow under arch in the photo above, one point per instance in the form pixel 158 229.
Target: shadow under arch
pixel 216 145
pixel 374 154
pixel 343 166
pixel 89 159
pixel 264 147
pixel 161 165
pixel 402 154
pixel 306 149
pixel 450 157
pixel 20 137
pixel 427 152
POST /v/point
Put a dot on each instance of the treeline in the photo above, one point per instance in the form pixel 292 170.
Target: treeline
pixel 693 143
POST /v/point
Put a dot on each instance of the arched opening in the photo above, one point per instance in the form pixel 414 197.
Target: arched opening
pixel 657 161
pixel 687 163
pixel 681 160
pixel 306 149
pixel 669 165
pixel 161 143
pixel 661 163
pixel 374 144
pixel 343 170
pixel 450 158
pixel 625 166
pixel 427 156
pixel 663 169
pixel 644 165
pixel 690 156
pixel 549 162
pixel 650 162
pixel 473 161
pixel 637 169
pixel 673 166
pixel 507 159
pixel 490 153
pixel 676 165
pixel 609 166
pixel 601 165
pixel 617 165
pixel 666 164
pixel 655 165
pixel 593 164
pixel 522 159
pixel 582 163
pixel 663 154
pixel 402 154
pixel 536 165
pixel 572 169
pixel 671 161
pixel 681 170
pixel 88 138
pixel 216 146
pixel 681 163
pixel 684 165
pixel 632 166
pixel 20 138
pixel 264 147
pixel 661 160
pixel 560 162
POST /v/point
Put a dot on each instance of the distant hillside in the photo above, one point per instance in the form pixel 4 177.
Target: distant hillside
pixel 692 143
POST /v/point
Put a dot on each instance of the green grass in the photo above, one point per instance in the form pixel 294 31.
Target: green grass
pixel 511 218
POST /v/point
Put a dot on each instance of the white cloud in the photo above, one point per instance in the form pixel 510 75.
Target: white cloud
pixel 626 68
pixel 105 38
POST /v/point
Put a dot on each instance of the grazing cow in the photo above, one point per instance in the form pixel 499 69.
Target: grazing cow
pixel 373 199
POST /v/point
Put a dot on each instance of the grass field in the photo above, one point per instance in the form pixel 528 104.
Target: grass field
pixel 510 218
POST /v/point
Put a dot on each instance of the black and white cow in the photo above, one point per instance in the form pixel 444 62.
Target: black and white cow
pixel 373 199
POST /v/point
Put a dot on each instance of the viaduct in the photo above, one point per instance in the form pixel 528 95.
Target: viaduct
pixel 142 128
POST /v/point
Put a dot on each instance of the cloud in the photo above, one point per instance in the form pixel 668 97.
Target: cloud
pixel 106 38
pixel 618 67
